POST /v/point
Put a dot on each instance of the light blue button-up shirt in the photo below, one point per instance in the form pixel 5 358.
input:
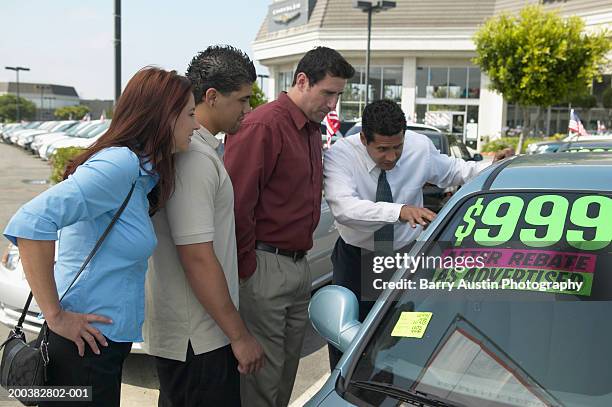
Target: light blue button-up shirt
pixel 80 208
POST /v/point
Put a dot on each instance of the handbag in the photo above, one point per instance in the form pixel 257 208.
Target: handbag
pixel 23 364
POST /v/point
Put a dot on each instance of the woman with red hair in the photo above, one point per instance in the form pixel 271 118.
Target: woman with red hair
pixel 91 330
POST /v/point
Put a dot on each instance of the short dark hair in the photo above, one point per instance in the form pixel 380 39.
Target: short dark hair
pixel 320 61
pixel 221 67
pixel 383 117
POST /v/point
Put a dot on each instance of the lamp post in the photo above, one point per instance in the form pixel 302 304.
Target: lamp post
pixel 17 69
pixel 117 50
pixel 42 92
pixel 371 7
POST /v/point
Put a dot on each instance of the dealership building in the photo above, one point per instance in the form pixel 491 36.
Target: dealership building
pixel 421 57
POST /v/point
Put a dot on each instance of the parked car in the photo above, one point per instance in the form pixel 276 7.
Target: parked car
pixel 83 140
pixel 7 134
pixel 43 127
pixel 25 141
pixel 7 128
pixel 47 137
pixel 410 126
pixel 586 146
pixel 41 144
pixel 552 146
pixel 540 218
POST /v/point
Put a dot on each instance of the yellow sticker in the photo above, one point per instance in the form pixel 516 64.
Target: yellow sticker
pixel 412 324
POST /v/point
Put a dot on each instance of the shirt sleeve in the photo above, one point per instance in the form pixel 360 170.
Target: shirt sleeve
pixel 445 171
pixel 250 158
pixel 191 208
pixel 345 203
pixel 96 187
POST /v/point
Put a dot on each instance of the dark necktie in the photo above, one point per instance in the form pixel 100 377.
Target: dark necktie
pixel 383 237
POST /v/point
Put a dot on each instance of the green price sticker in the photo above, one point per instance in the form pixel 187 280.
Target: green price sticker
pixel 541 221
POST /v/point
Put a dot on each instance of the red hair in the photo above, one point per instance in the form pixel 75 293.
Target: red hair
pixel 143 121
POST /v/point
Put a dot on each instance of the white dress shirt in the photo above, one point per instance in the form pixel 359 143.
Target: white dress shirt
pixel 351 178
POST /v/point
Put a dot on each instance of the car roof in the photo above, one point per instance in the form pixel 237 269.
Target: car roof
pixel 589 144
pixel 561 171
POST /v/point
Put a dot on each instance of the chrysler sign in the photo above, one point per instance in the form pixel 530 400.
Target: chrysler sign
pixel 289 13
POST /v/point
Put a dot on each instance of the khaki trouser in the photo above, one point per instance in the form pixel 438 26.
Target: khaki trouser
pixel 274 306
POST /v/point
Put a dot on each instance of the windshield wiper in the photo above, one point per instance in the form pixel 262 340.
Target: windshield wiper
pixel 408 396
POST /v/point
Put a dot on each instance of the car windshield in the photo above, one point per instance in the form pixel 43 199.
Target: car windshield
pixel 97 130
pixel 83 131
pixel 77 128
pixel 436 138
pixel 64 126
pixel 541 337
pixel 458 149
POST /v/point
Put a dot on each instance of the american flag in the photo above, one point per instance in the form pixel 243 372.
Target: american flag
pixel 332 123
pixel 575 125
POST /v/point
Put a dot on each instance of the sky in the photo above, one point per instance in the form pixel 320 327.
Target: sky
pixel 70 42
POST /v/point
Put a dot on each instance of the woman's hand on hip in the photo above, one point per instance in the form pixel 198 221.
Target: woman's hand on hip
pixel 76 327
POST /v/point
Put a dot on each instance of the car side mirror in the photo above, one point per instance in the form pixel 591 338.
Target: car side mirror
pixel 334 313
pixel 477 157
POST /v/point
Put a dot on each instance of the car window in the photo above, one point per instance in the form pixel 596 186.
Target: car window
pixel 537 339
pixel 458 149
pixel 353 130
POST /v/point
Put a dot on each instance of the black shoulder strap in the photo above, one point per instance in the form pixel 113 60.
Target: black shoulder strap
pixel 91 254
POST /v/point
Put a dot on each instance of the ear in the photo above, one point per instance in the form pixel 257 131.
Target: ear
pixel 210 97
pixel 301 81
pixel 363 139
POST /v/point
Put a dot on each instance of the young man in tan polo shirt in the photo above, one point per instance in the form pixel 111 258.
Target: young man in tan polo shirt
pixel 192 323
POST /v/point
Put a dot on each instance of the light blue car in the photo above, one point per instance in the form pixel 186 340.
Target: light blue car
pixel 541 226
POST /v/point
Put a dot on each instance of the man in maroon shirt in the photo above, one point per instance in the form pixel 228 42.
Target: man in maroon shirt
pixel 275 165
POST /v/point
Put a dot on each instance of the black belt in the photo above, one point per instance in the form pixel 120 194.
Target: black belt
pixel 293 254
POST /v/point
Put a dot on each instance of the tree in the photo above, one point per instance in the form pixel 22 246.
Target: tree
pixel 8 108
pixel 538 59
pixel 258 97
pixel 71 112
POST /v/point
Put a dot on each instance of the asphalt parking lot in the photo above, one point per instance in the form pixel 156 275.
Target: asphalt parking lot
pixel 22 177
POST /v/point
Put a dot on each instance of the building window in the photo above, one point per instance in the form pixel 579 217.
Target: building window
pixel 392 84
pixel 384 82
pixel 421 81
pixel 438 83
pixel 447 83
pixel 457 82
pixel 473 83
pixel 420 113
pixel 285 79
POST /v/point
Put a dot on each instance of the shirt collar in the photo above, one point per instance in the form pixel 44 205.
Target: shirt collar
pixel 299 118
pixel 146 167
pixel 208 137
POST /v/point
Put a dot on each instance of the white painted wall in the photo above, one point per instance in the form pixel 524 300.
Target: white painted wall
pixel 491 111
pixel 409 88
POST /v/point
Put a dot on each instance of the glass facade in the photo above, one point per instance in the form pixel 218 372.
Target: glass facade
pixel 284 81
pixel 447 82
pixel 447 97
pixel 384 82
